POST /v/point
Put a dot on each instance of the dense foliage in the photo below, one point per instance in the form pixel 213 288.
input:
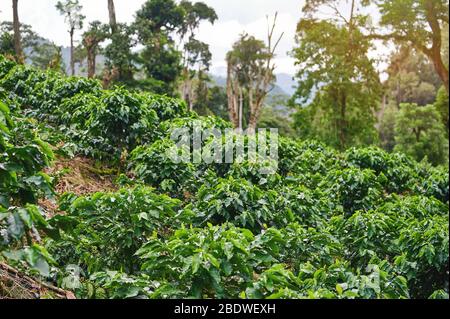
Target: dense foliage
pixel 362 223
pixel 420 133
pixel 341 98
pixel 103 123
pixel 23 155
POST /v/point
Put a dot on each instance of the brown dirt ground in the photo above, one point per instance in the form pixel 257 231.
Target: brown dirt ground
pixel 78 175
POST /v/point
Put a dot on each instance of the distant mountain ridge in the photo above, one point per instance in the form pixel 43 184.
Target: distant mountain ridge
pixel 284 85
pixel 287 83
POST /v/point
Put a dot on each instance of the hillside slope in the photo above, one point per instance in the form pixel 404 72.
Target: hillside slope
pixel 358 224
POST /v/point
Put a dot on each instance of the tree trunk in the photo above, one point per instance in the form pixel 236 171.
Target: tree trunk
pixel 256 105
pixel 417 132
pixel 440 68
pixel 116 72
pixel 342 121
pixel 432 13
pixel 91 57
pixel 16 28
pixel 112 16
pixel 187 89
pixel 241 110
pixel 254 116
pixel 72 54
pixel 253 121
pixel 232 96
pixel 252 124
pixel 381 112
pixel 188 95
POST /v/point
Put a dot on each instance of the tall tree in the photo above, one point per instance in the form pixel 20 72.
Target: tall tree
pixel 419 23
pixel 250 75
pixel 194 14
pixel 121 61
pixel 112 16
pixel 119 57
pixel 92 38
pixel 234 93
pixel 116 69
pixel 264 77
pixel 197 61
pixel 71 10
pixel 196 54
pixel 157 17
pixel 155 24
pixel 243 61
pixel 17 39
pixel 337 79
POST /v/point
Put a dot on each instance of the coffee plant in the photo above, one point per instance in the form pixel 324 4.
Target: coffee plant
pixel 23 156
pixel 105 230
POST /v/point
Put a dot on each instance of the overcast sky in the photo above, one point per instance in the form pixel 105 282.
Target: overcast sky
pixel 235 17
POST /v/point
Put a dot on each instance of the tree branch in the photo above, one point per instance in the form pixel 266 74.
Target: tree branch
pixel 399 37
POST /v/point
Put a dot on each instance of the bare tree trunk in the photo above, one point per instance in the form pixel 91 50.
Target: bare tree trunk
pixel 72 54
pixel 188 95
pixel 253 121
pixel 259 90
pixel 232 97
pixel 115 72
pixel 252 124
pixel 241 109
pixel 112 16
pixel 91 61
pixel 186 89
pixel 440 68
pixel 16 28
pixel 381 112
pixel 254 116
pixel 90 44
